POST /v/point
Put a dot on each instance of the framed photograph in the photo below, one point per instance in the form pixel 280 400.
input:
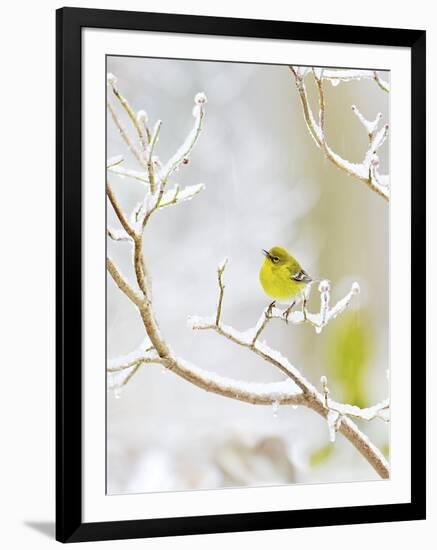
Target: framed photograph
pixel 239 207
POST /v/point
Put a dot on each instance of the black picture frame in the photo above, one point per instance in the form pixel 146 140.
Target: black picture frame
pixel 69 24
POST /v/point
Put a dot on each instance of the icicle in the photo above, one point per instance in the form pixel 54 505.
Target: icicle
pixel 275 407
pixel 333 424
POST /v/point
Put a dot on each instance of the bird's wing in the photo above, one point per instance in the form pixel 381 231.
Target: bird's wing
pixel 301 276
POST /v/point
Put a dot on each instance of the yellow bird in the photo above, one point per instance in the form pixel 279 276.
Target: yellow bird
pixel 282 277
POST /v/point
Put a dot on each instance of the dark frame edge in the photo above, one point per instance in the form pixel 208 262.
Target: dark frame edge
pixel 68 290
pixel 234 26
pixel 231 523
pixel 418 257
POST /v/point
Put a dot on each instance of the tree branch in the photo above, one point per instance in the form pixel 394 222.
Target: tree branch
pixel 122 284
pixel 366 171
pixel 136 153
pixel 112 81
pixel 337 417
pixel 119 212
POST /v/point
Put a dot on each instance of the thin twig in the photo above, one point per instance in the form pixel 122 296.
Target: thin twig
pixel 119 212
pixel 220 270
pixel 261 325
pixel 381 83
pixel 319 83
pixel 118 236
pixel 311 397
pixel 131 114
pixel 324 382
pixel 364 171
pixel 134 363
pixel 122 284
pixel 124 134
pixel 149 159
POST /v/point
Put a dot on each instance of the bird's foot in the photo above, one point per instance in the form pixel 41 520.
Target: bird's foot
pixel 287 311
pixel 270 309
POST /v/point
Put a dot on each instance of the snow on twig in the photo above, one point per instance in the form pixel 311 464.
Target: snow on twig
pixel 380 410
pixel 334 420
pixel 154 176
pixel 113 161
pixel 127 173
pixel 183 153
pixel 337 418
pixel 178 195
pixel 345 75
pixel 325 315
pixel 366 171
pixel 118 235
pixel 337 411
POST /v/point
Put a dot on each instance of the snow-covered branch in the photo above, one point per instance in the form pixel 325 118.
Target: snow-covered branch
pixel 326 313
pixel 339 411
pixel 367 170
pixel 336 414
pixel 153 175
pixel 380 410
pixel 182 155
pixel 335 76
pixel 294 389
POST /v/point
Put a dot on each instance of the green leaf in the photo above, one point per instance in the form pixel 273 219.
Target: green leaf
pixel 349 351
pixel 385 449
pixel 321 455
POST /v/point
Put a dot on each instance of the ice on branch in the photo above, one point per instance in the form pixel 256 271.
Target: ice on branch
pixel 338 411
pixel 111 79
pixel 345 75
pixel 154 138
pixel 120 362
pixel 334 420
pixel 380 410
pixel 121 369
pixel 326 313
pixel 142 117
pixel 154 175
pixel 113 161
pixel 184 151
pixel 336 415
pixel 200 98
pixel 118 234
pixel 369 125
pixel 285 392
pixel 177 195
pixel 367 170
pixel 127 173
pixel 222 265
pixel 250 337
pixel 324 382
pixel 335 76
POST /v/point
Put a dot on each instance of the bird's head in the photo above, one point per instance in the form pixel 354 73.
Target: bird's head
pixel 277 255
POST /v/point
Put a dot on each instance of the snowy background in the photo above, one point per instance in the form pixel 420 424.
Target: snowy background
pixel 266 184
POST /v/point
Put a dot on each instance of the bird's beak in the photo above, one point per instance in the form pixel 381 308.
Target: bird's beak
pixel 266 254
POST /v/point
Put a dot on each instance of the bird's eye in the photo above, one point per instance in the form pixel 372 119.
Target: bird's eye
pixel 275 259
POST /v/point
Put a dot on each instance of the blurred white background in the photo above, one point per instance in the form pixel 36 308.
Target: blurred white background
pixel 266 184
